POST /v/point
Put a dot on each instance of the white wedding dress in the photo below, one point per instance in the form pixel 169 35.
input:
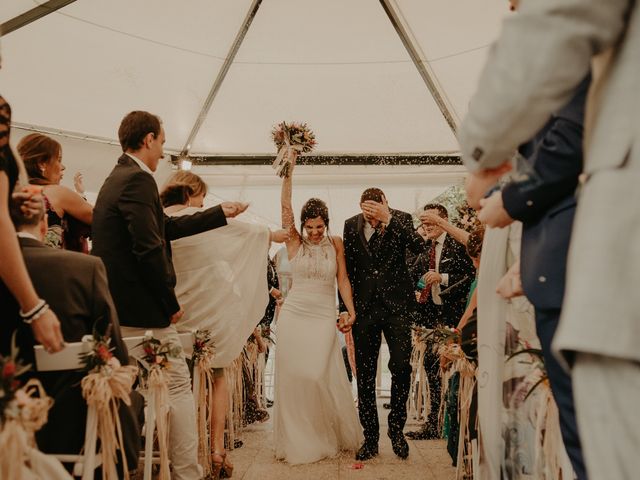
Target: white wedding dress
pixel 314 413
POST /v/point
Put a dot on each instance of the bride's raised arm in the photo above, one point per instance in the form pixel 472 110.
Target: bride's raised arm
pixel 288 219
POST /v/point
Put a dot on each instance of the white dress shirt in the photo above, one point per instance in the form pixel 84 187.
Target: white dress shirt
pixel 141 164
pixel 368 231
pixel 435 288
pixel 27 235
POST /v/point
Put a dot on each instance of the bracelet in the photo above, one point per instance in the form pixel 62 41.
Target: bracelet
pixel 34 315
pixel 41 303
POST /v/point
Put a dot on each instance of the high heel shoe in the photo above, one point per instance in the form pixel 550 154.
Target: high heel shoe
pixel 227 468
pixel 221 468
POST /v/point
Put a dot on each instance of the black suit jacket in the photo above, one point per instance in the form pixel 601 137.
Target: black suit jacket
pixel 378 269
pixel 132 236
pixel 455 262
pixel 546 206
pixel 75 286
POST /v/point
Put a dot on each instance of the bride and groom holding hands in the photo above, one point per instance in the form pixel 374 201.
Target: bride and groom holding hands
pixel 314 413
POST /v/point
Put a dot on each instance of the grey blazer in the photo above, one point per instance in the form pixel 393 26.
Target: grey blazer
pixel 543 53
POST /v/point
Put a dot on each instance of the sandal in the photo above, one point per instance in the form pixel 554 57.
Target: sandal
pixel 221 468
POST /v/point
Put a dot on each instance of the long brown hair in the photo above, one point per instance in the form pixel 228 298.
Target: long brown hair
pixel 180 187
pixel 36 150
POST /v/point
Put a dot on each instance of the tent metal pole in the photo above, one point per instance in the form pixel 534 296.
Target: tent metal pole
pixel 253 10
pixel 423 67
pixel 32 15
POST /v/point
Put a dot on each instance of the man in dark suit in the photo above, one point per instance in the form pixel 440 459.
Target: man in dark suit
pixel 132 236
pixel 447 272
pixel 375 244
pixel 75 286
pixel 544 201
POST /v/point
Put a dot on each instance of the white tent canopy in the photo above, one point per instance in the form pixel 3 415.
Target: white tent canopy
pixel 339 65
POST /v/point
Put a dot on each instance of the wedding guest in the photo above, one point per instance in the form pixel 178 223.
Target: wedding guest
pixel 446 272
pixel 544 201
pixel 69 215
pixel 275 298
pixel 376 242
pixel 546 209
pixel 22 302
pixel 75 286
pixel 132 236
pixel 564 36
pixel 468 328
pixel 230 259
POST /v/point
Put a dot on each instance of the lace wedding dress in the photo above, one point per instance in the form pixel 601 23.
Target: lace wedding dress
pixel 314 413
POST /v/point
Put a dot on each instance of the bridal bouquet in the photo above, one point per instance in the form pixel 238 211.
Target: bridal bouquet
pixel 291 139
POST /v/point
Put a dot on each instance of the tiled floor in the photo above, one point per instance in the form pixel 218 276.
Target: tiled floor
pixel 428 460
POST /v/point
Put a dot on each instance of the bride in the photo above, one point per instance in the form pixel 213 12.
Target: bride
pixel 314 413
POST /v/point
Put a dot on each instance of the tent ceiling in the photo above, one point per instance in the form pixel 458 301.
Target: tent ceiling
pixel 338 65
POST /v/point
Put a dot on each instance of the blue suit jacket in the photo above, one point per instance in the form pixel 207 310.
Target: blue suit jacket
pixel 545 203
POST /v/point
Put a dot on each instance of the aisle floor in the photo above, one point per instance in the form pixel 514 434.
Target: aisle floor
pixel 428 460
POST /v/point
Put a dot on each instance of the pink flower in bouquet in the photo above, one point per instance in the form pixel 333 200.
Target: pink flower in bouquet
pixel 8 370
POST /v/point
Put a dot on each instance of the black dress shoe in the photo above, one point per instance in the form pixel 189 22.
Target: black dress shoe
pixel 422 434
pixel 367 451
pixel 399 444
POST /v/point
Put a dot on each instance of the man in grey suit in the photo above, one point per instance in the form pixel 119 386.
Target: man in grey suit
pixel 533 70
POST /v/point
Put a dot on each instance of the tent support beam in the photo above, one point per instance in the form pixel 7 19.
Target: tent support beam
pixel 332 159
pixel 423 68
pixel 32 15
pixel 253 10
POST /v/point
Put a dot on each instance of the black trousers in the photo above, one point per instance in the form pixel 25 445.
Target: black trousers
pixel 367 337
pixel 432 367
pixel 562 389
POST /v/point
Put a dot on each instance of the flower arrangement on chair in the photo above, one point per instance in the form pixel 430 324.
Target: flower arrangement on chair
pixel 291 139
pixel 23 411
pixel 155 362
pixel 203 384
pixel 106 384
pixel 10 370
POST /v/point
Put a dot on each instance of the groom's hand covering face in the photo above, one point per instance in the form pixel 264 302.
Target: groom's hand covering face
pixel 375 212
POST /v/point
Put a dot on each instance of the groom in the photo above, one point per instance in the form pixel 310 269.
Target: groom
pixel 375 243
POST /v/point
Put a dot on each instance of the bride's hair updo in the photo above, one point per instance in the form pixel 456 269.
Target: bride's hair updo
pixel 314 208
pixel 180 186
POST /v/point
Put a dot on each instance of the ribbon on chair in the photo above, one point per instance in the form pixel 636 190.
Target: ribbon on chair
pixel 233 377
pixel 420 393
pixel 286 155
pixel 551 455
pixel 104 389
pixel 26 414
pixel 467 370
pixel 203 387
pixel 158 413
